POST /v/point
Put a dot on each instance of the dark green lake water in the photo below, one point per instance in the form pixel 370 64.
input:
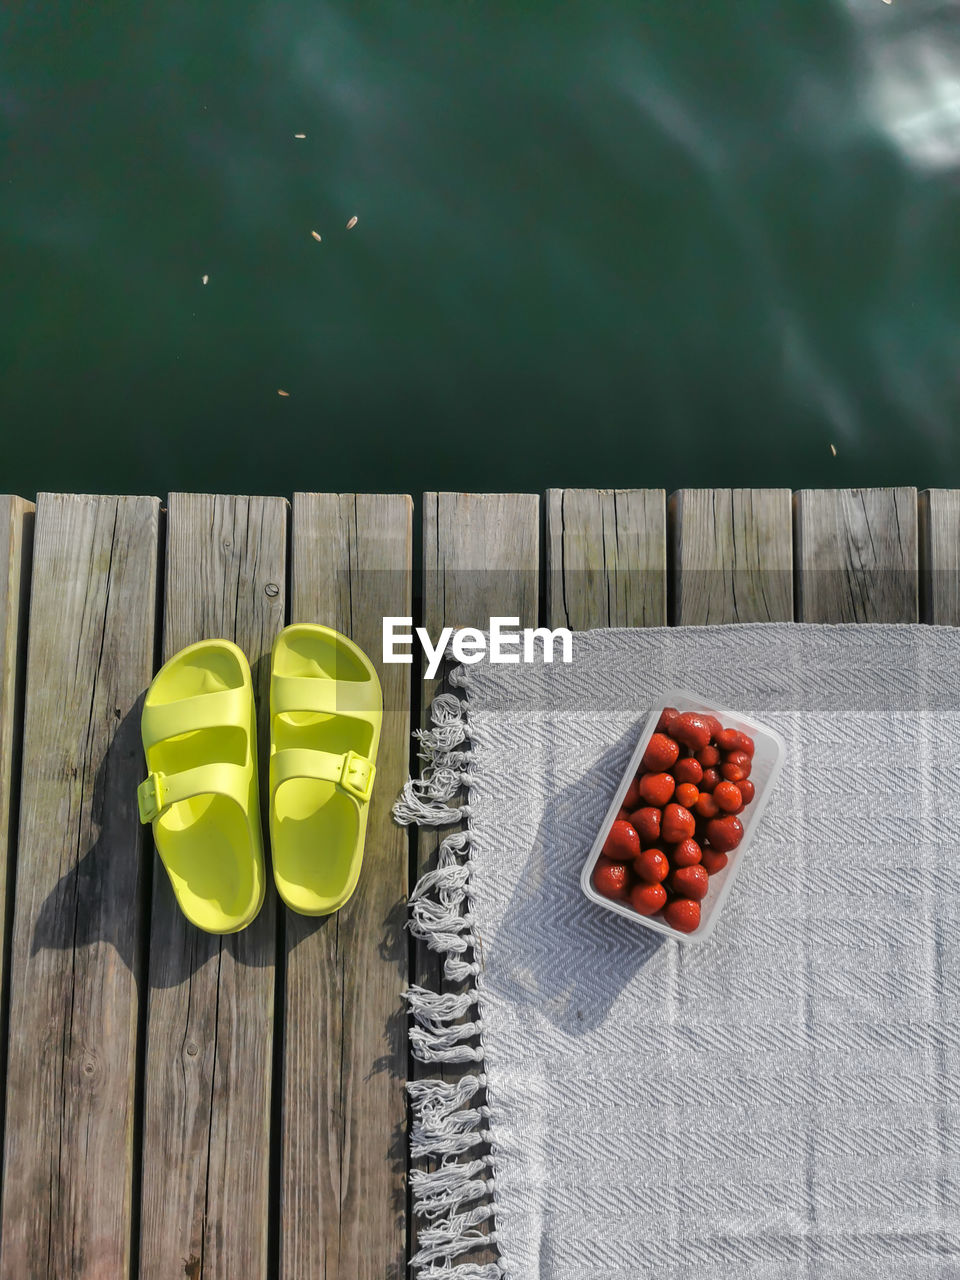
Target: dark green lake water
pixel 638 243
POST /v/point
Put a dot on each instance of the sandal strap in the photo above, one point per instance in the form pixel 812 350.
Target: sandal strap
pixel 319 694
pixel 159 791
pixel 224 708
pixel 351 772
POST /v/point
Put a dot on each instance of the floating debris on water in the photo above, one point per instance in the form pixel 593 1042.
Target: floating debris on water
pixel 352 223
pixel 833 447
pixel 283 393
pixel 299 135
pixel 204 279
pixel 316 235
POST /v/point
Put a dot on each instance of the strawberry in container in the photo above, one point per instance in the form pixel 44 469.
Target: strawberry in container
pixel 683 816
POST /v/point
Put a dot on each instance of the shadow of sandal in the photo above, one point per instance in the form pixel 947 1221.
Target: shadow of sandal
pixel 118 891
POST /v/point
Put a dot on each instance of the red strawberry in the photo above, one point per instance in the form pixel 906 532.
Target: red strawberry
pixel 651 866
pixel 728 740
pixel 708 757
pixel 667 717
pixel 683 914
pixel 746 743
pixel 678 823
pixel 648 898
pixel 746 790
pixel 736 766
pixel 686 854
pixel 632 798
pixel 656 788
pixel 724 834
pixel 688 769
pixel 709 780
pixel 691 728
pixel 728 797
pixel 622 842
pixel 714 861
pixel 715 725
pixel 660 754
pixel 706 806
pixel 686 794
pixel 690 882
pixel 612 879
pixel 647 824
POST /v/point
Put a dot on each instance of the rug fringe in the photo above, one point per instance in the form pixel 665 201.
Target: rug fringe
pixel 448 1239
pixel 465 1271
pixel 431 811
pixel 456 1197
pixel 455 1182
pixel 439 1097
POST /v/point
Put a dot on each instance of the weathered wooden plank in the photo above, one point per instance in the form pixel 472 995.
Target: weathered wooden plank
pixel 731 555
pixel 75 964
pixel 481 558
pixel 856 555
pixel 207 1089
pixel 342 1206
pixel 939 547
pixel 16 549
pixel 606 558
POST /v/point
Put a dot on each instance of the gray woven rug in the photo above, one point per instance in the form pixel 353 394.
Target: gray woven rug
pixel 781 1101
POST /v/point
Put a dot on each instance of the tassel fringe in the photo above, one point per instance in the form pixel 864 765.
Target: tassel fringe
pixel 449 1121
pixel 467 1271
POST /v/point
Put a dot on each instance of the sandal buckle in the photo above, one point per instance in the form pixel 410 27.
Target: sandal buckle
pixel 150 797
pixel 356 776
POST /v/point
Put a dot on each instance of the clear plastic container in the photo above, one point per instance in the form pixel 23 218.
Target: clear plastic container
pixel 770 750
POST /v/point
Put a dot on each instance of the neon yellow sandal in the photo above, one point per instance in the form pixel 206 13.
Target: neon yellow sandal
pixel 326 710
pixel 199 729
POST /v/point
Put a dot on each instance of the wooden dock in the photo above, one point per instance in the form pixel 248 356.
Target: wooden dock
pixel 183 1105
